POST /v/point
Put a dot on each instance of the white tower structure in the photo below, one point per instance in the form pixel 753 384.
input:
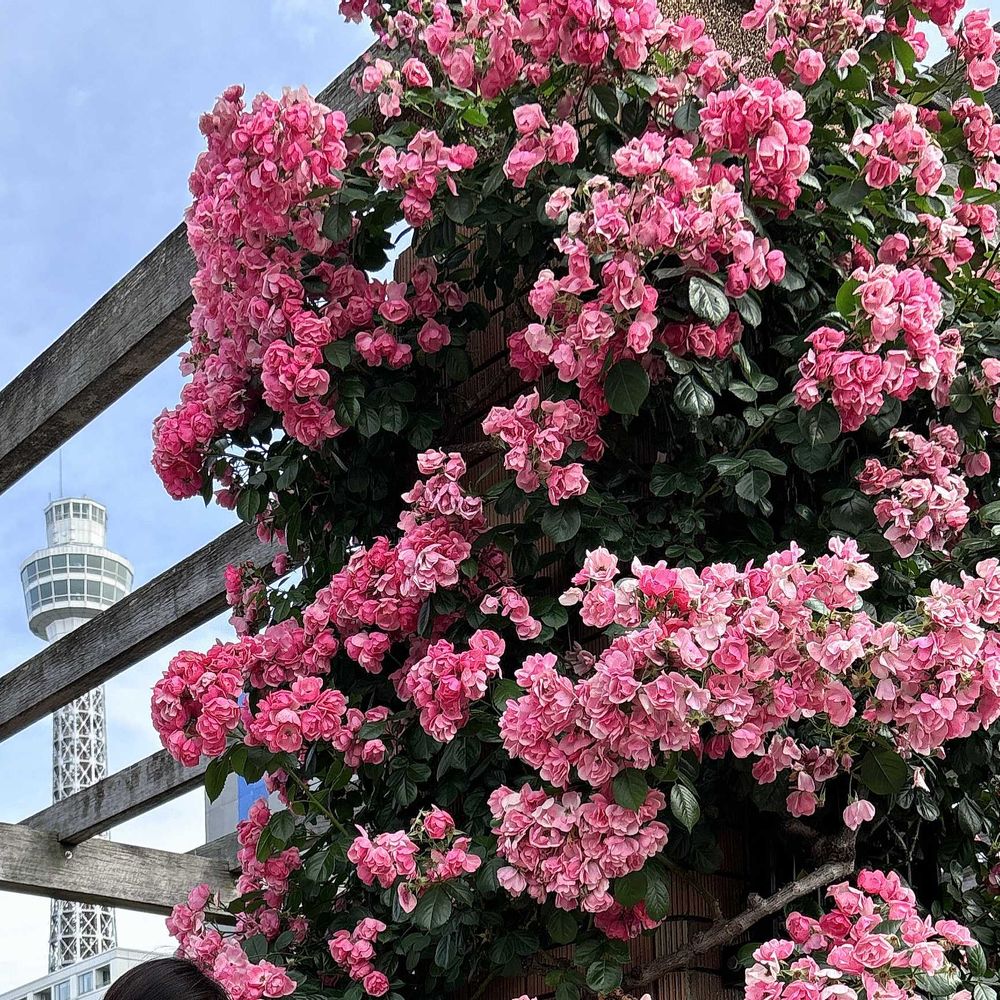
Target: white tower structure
pixel 65 584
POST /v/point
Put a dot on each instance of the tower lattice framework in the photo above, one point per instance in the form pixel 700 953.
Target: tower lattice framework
pixel 65 584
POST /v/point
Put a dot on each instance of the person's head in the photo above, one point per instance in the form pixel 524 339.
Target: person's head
pixel 165 979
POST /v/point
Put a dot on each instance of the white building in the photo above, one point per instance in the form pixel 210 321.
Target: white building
pixel 86 980
pixel 67 583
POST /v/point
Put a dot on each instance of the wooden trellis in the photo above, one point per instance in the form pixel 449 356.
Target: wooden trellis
pixel 124 336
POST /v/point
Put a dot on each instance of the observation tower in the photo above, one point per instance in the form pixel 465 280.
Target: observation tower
pixel 65 584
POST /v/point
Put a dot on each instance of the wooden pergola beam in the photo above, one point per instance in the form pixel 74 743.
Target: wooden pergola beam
pixel 140 322
pixel 185 596
pixel 130 330
pixel 103 872
pixel 130 792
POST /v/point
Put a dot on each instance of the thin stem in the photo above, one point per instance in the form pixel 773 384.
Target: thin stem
pixel 316 803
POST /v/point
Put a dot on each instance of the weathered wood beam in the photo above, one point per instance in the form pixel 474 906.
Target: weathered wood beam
pixel 103 872
pixel 130 792
pixel 130 330
pixel 185 596
pixel 140 322
pixel 222 849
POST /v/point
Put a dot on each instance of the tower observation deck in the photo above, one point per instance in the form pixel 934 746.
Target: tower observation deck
pixel 65 584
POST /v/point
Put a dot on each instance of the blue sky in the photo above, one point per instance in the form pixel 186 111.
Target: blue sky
pixel 98 131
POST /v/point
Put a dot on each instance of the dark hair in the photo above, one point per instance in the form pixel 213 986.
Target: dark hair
pixel 165 979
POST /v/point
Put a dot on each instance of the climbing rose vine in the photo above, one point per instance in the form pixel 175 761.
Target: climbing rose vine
pixel 622 414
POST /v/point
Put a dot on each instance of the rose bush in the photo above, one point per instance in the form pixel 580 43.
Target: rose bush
pixel 711 352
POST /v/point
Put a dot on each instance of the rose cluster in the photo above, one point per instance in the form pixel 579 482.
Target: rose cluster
pixel 444 682
pixel 354 952
pixel 197 704
pixel 392 857
pixel 723 659
pixel 923 494
pixel 570 846
pixel 223 958
pixel 873 942
pixel 897 309
pixel 376 599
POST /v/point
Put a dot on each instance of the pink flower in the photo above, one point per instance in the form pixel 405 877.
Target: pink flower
pixel 376 984
pixel 858 812
pixel 529 119
pixel 438 824
pixel 563 144
pixel 809 66
pixel 416 74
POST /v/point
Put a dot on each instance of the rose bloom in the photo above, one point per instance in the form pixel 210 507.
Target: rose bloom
pixel 438 824
pixel 376 984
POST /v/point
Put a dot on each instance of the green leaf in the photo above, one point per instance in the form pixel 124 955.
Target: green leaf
pixel 693 398
pixel 337 222
pixel 567 990
pixel 687 117
pixel 941 984
pixel 255 947
pixel 288 475
pixel 663 482
pixel 743 391
pixel 630 889
pixel 603 102
pixel 977 960
pixel 707 300
pixel 749 309
pixel 282 826
pixel 629 788
pixel 657 894
pixel 990 514
pixel 604 976
pixel 588 950
pixel 433 910
pixel 338 354
pixel 626 386
pixel 847 197
pixel 561 523
pixel 812 458
pixel 476 115
pixel 369 423
pixel 761 459
pixel 727 465
pixel 392 416
pixel 853 514
pixel 447 952
pixel 753 485
pixel 847 297
pixel 505 691
pixel 562 927
pixel 424 618
pixel 215 777
pixel 882 771
pixel 459 207
pixel 820 425
pixel 684 805
pixel 793 280
pixel 970 819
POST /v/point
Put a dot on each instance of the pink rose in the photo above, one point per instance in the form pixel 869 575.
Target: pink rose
pixel 563 145
pixel 438 824
pixel 416 74
pixel 376 984
pixel 529 118
pixel 861 811
pixel 809 66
